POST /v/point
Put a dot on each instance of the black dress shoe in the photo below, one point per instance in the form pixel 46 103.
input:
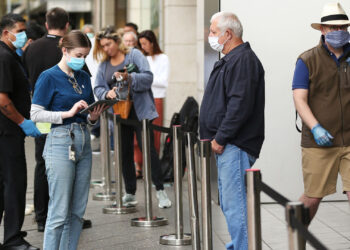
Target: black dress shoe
pixel 41 226
pixel 87 224
pixel 25 246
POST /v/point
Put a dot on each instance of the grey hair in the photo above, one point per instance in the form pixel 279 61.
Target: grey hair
pixel 130 33
pixel 228 20
pixel 88 26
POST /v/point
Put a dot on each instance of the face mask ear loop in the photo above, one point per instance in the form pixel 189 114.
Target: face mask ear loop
pixel 67 57
pixel 223 33
pixel 13 35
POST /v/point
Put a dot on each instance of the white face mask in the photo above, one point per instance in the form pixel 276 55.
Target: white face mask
pixel 214 43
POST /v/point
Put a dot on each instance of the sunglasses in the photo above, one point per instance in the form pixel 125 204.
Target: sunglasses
pixel 337 27
pixel 106 34
pixel 75 85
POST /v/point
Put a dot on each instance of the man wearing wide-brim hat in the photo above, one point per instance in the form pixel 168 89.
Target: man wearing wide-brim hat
pixel 321 91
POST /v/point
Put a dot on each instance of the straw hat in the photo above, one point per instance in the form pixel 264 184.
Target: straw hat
pixel 332 14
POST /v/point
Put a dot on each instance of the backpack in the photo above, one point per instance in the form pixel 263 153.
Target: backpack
pixel 188 119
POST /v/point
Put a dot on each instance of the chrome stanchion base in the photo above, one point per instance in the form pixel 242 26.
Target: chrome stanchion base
pixel 96 183
pixel 113 209
pixel 170 239
pixel 143 222
pixel 99 183
pixel 103 196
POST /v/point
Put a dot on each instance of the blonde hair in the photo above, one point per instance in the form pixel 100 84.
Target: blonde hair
pixel 99 54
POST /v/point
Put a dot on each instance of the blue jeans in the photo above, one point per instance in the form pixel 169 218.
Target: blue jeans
pixel 232 164
pixel 69 182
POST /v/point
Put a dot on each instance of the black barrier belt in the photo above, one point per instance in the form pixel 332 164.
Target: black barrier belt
pixel 309 237
pixel 138 124
pixel 160 129
pixel 273 194
pixel 295 224
pixel 133 123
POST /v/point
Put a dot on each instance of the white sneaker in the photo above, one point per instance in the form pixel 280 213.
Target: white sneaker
pixel 163 200
pixel 129 199
pixel 29 209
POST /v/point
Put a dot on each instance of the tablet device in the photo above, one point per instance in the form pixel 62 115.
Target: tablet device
pixel 91 106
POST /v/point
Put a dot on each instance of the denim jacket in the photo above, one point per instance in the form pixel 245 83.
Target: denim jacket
pixel 140 88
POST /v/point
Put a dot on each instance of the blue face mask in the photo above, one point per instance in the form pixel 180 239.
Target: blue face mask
pixel 76 63
pixel 338 38
pixel 21 39
pixel 90 35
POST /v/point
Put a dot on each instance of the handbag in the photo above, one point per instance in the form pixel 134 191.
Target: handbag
pixel 123 107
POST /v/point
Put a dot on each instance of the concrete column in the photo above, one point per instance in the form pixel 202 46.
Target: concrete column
pixel 200 49
pixel 180 45
pixel 96 14
pixel 2 7
pixel 103 13
pixel 139 12
pixel 108 10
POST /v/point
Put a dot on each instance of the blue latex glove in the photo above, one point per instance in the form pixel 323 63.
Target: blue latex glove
pixel 321 136
pixel 29 128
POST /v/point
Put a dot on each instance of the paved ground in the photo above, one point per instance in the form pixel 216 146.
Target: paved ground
pixel 331 226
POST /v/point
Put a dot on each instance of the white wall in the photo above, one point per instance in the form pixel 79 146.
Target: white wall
pixel 180 46
pixel 278 32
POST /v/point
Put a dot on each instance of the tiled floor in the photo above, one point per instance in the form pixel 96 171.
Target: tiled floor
pixel 331 225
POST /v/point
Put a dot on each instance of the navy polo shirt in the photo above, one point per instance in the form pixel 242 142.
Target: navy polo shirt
pixel 54 92
pixel 301 72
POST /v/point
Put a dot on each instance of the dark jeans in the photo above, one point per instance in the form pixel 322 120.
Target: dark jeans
pixel 13 185
pixel 128 156
pixel 41 188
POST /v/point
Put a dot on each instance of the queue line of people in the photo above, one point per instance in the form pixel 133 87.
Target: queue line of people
pixel 55 68
pixel 235 92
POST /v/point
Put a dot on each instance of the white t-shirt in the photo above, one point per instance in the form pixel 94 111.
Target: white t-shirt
pixel 91 63
pixel 160 68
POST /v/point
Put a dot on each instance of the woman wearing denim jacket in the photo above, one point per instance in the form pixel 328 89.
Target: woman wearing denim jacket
pixel 60 93
pixel 114 56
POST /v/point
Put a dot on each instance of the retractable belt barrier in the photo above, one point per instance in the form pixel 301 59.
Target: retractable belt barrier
pixel 135 123
pixel 192 191
pixel 179 238
pixel 118 207
pixel 148 220
pixel 205 155
pixel 297 216
pixel 106 181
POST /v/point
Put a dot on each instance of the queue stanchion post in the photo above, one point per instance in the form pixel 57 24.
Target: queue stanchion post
pixel 179 238
pixel 149 220
pixel 118 207
pixel 94 183
pixel 253 177
pixel 192 193
pixel 106 194
pixel 295 240
pixel 207 234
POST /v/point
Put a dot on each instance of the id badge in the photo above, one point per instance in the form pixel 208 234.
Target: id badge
pixel 71 153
